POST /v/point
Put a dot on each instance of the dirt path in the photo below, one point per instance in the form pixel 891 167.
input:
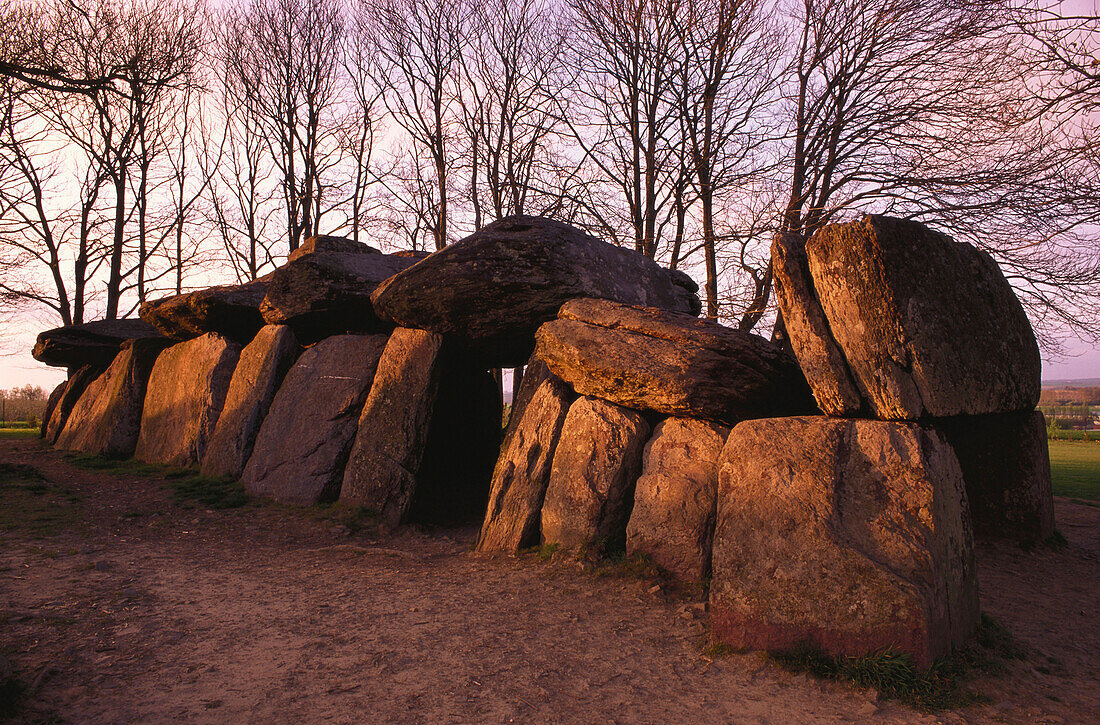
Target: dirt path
pixel 119 604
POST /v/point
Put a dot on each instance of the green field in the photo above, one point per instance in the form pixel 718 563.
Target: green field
pixel 18 432
pixel 1075 469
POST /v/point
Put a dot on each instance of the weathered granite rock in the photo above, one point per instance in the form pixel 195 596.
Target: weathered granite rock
pixel 807 329
pixel 596 462
pixel 328 293
pixel 304 441
pixel 232 311
pixel 382 469
pixel 74 387
pixel 51 403
pixel 489 292
pixel 325 243
pixel 106 421
pixel 849 535
pixel 534 374
pixel 675 499
pixel 523 471
pixel 186 392
pixel 93 343
pixel 263 364
pixel 1006 465
pixel 928 326
pixel 649 359
pixel 462 447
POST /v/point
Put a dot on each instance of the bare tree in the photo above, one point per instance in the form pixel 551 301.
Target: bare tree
pixel 512 75
pixel 419 46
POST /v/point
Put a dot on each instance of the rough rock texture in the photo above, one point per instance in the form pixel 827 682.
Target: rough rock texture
pixel 74 387
pixel 489 292
pixel 324 243
pixel 523 471
pixel 820 358
pixel 462 447
pixel 534 374
pixel 382 469
pixel 675 498
pixel 849 535
pixel 304 441
pixel 650 359
pixel 328 293
pixel 262 366
pixel 93 343
pixel 106 421
pixel 51 403
pixel 1006 466
pixel 232 311
pixel 596 462
pixel 929 326
pixel 186 392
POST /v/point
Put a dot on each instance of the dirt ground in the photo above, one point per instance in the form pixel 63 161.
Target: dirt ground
pixel 120 604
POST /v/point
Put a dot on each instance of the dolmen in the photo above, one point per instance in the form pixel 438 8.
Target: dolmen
pixel 827 491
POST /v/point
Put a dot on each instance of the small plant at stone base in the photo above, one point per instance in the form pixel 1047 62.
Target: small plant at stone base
pixel 896 677
pixel 622 566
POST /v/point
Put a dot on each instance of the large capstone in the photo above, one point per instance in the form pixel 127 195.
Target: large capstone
pixel 654 360
pixel 928 326
pixel 851 536
pixel 328 293
pixel 106 420
pixel 675 498
pixel 186 392
pixel 523 471
pixel 232 311
pixel 92 343
pixel 488 293
pixel 303 443
pixel 263 364
pixel 596 462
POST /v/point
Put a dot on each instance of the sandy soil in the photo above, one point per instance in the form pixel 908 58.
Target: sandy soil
pixel 134 608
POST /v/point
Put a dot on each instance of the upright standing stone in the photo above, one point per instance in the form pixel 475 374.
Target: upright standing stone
pixel 304 441
pixel 51 403
pixel 849 535
pixel 75 386
pixel 523 471
pixel 674 502
pixel 1006 465
pixel 389 445
pixel 186 393
pixel 819 356
pixel 259 372
pixel 106 421
pixel 596 462
pixel 929 326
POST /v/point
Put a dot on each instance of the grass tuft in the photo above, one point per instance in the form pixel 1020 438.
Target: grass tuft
pixel 186 484
pixel 896 677
pixel 621 566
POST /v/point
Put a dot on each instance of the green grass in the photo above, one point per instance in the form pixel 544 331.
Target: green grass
pixel 186 484
pixel 1075 469
pixel 895 676
pixel 18 432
